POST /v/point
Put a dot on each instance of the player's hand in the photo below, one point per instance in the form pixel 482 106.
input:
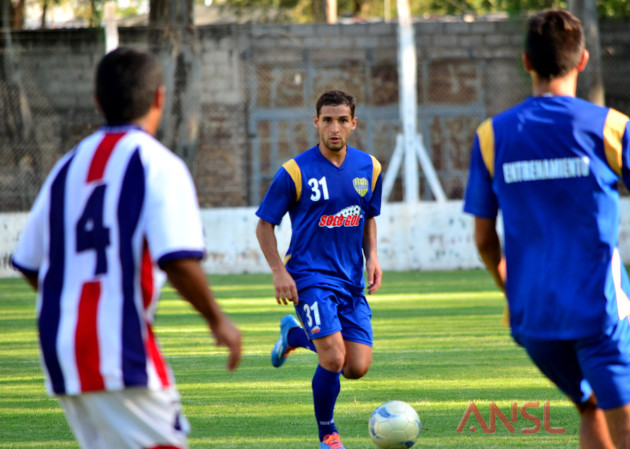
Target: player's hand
pixel 374 275
pixel 284 285
pixel 228 335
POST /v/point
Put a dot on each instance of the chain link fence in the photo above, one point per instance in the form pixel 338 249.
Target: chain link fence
pixel 454 95
pixel 36 126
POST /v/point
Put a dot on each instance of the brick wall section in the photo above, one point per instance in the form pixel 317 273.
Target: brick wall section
pixel 460 65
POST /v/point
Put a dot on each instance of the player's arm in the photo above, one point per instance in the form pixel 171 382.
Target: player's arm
pixel 190 281
pixel 373 267
pixel 489 247
pixel 283 283
pixel 625 156
pixel 32 280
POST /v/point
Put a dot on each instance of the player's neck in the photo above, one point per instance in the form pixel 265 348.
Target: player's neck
pixel 147 125
pixel 565 86
pixel 150 122
pixel 335 157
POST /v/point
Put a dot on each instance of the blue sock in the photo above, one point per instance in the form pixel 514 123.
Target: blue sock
pixel 298 339
pixel 326 388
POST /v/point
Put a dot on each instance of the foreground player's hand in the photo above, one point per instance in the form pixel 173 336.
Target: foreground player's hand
pixel 374 275
pixel 284 285
pixel 228 335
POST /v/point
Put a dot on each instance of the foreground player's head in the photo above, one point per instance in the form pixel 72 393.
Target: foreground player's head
pixel 129 86
pixel 554 44
pixel 335 98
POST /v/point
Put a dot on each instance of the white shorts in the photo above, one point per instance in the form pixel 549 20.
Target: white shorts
pixel 135 418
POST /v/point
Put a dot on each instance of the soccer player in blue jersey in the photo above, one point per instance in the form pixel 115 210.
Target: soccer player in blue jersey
pixel 332 193
pixel 552 165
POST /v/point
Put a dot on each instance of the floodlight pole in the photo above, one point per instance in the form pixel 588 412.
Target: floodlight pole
pixel 409 147
pixel 407 76
pixel 111 29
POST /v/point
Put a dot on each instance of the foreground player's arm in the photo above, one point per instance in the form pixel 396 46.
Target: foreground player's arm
pixel 283 283
pixel 374 272
pixel 489 247
pixel 32 280
pixel 190 281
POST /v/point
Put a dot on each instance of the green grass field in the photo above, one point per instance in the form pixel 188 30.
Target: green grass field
pixel 438 344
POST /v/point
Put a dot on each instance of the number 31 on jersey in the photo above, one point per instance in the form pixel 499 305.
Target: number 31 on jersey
pixel 319 188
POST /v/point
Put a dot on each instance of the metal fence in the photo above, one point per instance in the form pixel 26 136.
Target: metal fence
pixel 36 127
pixel 280 114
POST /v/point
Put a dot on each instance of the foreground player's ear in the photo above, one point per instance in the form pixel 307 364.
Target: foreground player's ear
pixel 160 97
pixel 527 64
pixel 583 61
pixel 97 101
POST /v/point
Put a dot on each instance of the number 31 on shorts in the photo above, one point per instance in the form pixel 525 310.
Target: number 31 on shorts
pixel 312 315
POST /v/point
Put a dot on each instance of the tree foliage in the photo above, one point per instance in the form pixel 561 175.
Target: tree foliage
pixel 304 11
pixel 90 11
pixel 300 11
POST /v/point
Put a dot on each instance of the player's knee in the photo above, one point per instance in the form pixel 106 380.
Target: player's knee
pixel 332 361
pixel 355 372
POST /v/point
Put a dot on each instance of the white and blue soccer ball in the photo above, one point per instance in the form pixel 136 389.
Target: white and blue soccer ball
pixel 394 425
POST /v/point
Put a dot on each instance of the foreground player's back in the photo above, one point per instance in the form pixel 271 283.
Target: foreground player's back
pixel 556 184
pixel 99 225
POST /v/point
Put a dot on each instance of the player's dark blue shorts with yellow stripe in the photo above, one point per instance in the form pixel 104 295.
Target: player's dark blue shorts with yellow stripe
pixel 325 310
pixel 599 365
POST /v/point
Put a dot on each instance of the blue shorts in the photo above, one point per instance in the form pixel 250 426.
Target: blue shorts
pixel 324 311
pixel 599 365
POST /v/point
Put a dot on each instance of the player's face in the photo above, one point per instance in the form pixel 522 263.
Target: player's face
pixel 335 123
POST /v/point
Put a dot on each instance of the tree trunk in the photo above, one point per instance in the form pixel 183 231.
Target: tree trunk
pixel 93 20
pixel 174 40
pixel 42 23
pixel 359 7
pixel 591 85
pixel 16 15
pixel 15 112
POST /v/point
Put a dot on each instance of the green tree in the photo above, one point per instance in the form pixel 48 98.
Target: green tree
pixel 91 12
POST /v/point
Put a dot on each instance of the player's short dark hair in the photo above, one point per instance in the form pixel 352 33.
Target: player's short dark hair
pixel 126 83
pixel 554 43
pixel 335 98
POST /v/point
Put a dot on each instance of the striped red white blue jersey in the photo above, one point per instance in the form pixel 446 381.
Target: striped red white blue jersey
pixel 111 212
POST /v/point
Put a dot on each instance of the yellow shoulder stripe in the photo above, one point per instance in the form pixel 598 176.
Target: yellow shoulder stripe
pixel 294 171
pixel 614 129
pixel 376 171
pixel 485 134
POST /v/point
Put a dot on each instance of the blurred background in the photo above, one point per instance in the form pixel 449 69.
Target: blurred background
pixel 243 77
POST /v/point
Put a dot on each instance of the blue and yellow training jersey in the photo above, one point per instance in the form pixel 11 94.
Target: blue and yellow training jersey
pixel 552 166
pixel 328 206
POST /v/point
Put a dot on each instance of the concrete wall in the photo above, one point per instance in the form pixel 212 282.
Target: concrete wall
pixel 427 236
pixel 258 87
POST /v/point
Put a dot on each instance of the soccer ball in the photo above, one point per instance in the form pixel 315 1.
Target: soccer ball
pixel 394 425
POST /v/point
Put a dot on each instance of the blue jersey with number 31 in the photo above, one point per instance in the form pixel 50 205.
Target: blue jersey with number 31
pixel 328 206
